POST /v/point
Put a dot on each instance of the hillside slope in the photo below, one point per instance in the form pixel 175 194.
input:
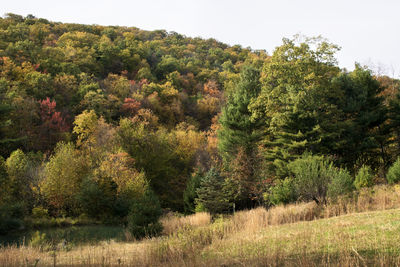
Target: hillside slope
pixel 359 239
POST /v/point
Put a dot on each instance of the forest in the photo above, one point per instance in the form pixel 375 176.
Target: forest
pixel 119 125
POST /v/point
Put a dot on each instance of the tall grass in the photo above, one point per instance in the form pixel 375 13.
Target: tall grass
pixel 380 197
pixel 172 223
pixel 281 236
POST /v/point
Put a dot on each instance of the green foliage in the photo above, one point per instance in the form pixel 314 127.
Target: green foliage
pixel 190 193
pixel 312 175
pixel 144 215
pixel 237 128
pixel 166 90
pixel 199 207
pixel 38 240
pixel 295 100
pixel 212 193
pixel 11 217
pixel 39 212
pixel 283 192
pixel 361 122
pixel 238 138
pixel 393 175
pixel 167 158
pixel 4 182
pixel 95 199
pixel 63 176
pixel 17 165
pixel 85 125
pixel 364 177
pixel 341 184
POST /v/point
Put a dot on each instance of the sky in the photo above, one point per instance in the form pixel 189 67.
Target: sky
pixel 367 31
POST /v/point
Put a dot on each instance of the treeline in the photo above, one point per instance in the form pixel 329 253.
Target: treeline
pixel 115 123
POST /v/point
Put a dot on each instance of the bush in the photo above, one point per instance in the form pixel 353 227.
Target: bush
pixel 393 175
pixel 312 174
pixel 364 177
pixel 144 215
pixel 37 239
pixel 11 216
pixel 39 212
pixel 199 208
pixel 4 182
pixel 283 192
pixel 95 200
pixel 341 184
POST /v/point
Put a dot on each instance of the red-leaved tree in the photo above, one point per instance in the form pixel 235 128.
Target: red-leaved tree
pixel 52 124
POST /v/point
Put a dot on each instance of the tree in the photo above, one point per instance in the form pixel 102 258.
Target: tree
pixel 52 126
pixel 144 215
pixel 4 182
pixel 190 193
pixel 17 165
pixel 393 175
pixel 211 193
pixel 167 158
pixel 239 135
pixel 364 177
pixel 295 101
pixel 85 126
pixel 63 176
pixel 361 126
pixel 238 130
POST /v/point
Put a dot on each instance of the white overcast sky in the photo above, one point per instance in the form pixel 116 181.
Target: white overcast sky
pixel 368 31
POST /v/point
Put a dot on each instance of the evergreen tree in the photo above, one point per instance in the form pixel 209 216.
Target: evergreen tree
pixel 238 130
pixel 211 193
pixel 144 215
pixel 294 101
pixel 239 136
pixel 190 194
pixel 362 128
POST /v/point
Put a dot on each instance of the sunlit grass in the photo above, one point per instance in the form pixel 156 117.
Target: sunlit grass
pixel 301 234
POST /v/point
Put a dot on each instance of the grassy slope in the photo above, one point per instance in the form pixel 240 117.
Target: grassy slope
pixel 369 238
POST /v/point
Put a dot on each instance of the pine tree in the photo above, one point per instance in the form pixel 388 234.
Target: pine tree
pixel 239 136
pixel 362 125
pixel 238 130
pixel 143 219
pixel 294 101
pixel 211 193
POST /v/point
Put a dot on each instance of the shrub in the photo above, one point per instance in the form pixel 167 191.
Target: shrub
pixel 393 175
pixel 341 183
pixel 200 208
pixel 11 216
pixel 364 177
pixel 283 192
pixel 4 182
pixel 312 174
pixel 39 212
pixel 95 199
pixel 144 215
pixel 38 240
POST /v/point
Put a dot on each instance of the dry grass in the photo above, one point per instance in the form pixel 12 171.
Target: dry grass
pixel 255 219
pixel 381 197
pixel 280 236
pixel 172 223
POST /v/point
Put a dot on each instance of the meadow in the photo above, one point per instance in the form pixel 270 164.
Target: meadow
pixel 362 230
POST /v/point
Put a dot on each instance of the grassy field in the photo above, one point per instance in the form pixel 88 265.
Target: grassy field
pixel 296 235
